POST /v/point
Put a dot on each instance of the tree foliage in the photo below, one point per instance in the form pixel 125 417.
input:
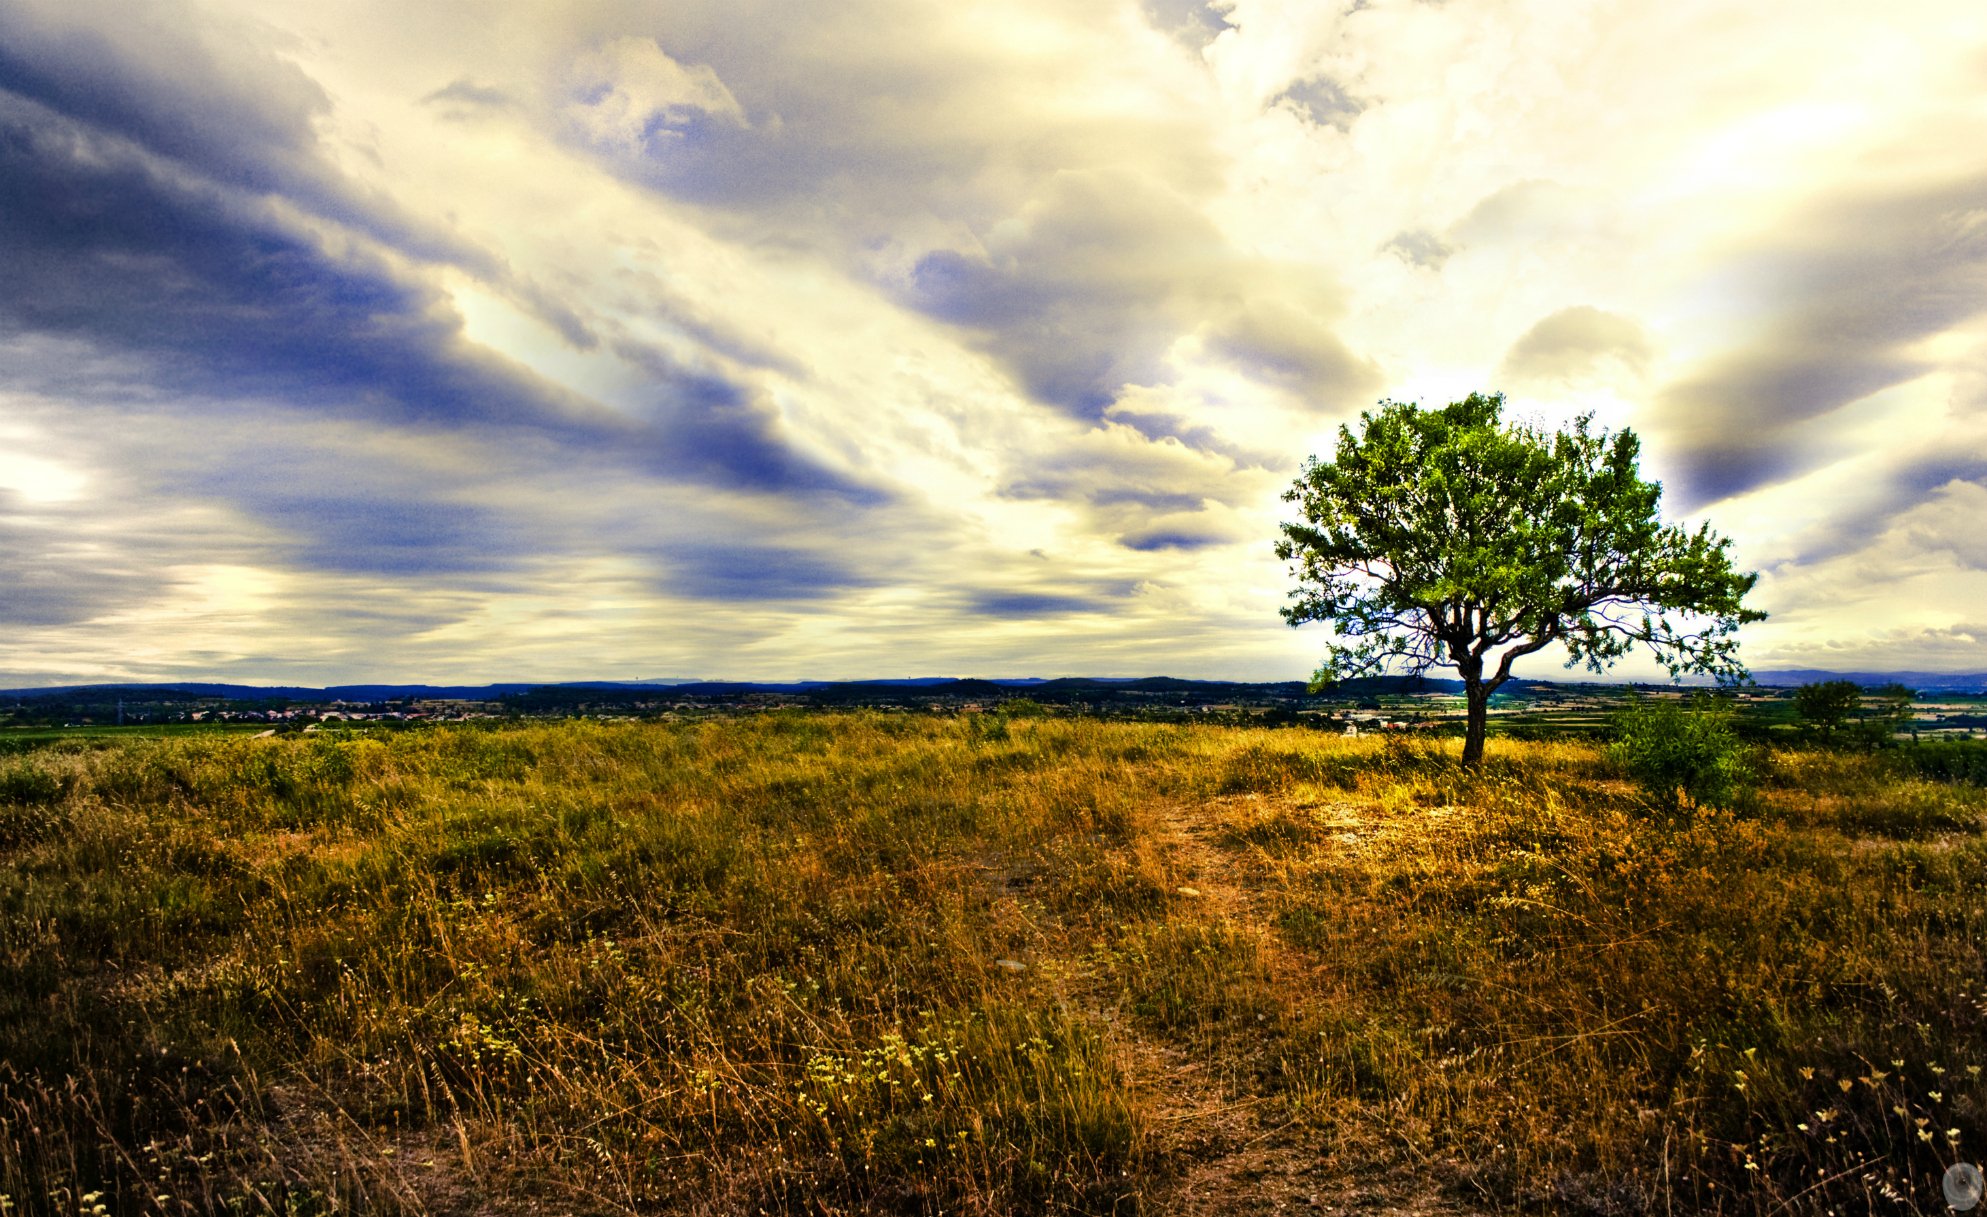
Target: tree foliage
pixel 1826 708
pixel 1826 705
pixel 1450 537
pixel 1893 708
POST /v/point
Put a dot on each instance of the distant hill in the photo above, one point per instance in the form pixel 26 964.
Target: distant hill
pixel 1924 682
pixel 228 692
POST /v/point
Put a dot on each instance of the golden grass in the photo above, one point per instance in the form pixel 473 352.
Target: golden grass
pixel 872 963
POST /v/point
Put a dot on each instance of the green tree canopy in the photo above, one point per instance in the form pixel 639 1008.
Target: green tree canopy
pixel 1450 537
pixel 1895 702
pixel 1826 705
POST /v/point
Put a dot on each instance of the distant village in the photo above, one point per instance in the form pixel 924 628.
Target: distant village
pixel 1388 704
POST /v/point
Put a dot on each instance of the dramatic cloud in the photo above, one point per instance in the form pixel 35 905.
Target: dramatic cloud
pixel 636 100
pixel 49 576
pixel 1576 344
pixel 186 84
pixel 1949 524
pixel 1421 248
pixel 1084 290
pixel 473 341
pixel 1853 290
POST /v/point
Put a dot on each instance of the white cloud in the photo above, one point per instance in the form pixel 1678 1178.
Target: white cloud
pixel 636 99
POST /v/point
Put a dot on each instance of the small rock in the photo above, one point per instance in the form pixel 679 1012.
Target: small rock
pixel 1187 891
pixel 1011 965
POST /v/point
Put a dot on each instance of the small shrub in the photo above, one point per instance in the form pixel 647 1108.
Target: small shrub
pixel 30 784
pixel 1408 755
pixel 1256 769
pixel 1683 755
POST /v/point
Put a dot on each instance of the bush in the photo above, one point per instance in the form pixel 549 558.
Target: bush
pixel 30 784
pixel 1683 755
pixel 1945 761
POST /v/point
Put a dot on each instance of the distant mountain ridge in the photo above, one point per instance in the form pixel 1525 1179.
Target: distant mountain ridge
pixel 856 690
pixel 233 692
pixel 1945 682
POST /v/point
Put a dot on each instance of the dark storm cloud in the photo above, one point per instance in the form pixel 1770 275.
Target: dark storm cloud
pixel 153 72
pixel 1174 538
pixel 1010 604
pixel 319 494
pixel 1854 289
pixel 1922 476
pixel 389 533
pixel 137 146
pixel 237 485
pixel 727 434
pixel 212 107
pixel 140 148
pixel 211 101
pixel 106 244
pixel 1026 323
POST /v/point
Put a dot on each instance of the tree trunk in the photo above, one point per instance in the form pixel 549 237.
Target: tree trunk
pixel 1478 697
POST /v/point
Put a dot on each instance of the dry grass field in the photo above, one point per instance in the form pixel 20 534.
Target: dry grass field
pixel 886 963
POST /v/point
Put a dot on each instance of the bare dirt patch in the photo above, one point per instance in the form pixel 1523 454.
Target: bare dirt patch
pixel 1241 1152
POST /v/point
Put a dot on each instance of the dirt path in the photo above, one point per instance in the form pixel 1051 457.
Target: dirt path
pixel 1244 1155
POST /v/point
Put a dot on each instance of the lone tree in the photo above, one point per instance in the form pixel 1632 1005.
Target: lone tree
pixel 1880 714
pixel 1441 536
pixel 1825 706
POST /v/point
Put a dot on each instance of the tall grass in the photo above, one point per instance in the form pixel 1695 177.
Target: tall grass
pixel 820 963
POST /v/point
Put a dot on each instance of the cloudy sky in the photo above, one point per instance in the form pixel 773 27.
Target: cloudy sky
pixel 465 340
